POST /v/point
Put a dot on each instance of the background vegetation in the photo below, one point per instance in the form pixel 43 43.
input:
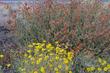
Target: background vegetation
pixel 81 27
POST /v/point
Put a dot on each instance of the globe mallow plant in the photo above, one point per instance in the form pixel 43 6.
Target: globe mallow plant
pixel 46 58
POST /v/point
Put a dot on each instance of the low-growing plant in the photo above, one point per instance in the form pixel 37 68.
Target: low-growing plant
pixel 46 58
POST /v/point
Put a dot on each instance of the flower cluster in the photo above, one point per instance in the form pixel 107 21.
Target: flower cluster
pixel 104 66
pixel 46 58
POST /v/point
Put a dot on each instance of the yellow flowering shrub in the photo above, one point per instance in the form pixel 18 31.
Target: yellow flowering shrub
pixel 47 58
pixel 103 66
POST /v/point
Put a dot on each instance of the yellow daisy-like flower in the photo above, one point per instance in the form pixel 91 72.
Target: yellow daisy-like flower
pixel 46 57
pixel 58 49
pixel 33 44
pixel 32 62
pixel 25 55
pixel 104 62
pixel 48 46
pixel 44 41
pixel 99 69
pixel 56 69
pixel 35 72
pixel 37 62
pixel 8 65
pixel 40 55
pixel 23 69
pixel 40 59
pixel 70 72
pixel 51 54
pixel 105 69
pixel 59 66
pixel 32 59
pixel 29 51
pixel 30 46
pixel 1 56
pixel 30 56
pixel 101 61
pixel 108 66
pixel 42 69
pixel 57 72
pixel 38 47
pixel 56 42
pixel 50 65
pixel 70 55
pixel 43 49
pixel 66 61
pixel 57 57
pixel 90 69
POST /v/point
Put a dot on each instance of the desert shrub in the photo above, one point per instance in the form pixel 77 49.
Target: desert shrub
pixel 75 22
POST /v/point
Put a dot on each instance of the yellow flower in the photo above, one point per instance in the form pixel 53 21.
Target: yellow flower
pixel 38 47
pixel 59 66
pixel 46 57
pixel 99 69
pixel 50 65
pixel 56 69
pixel 1 56
pixel 33 44
pixel 108 66
pixel 57 57
pixel 51 60
pixel 66 46
pixel 40 55
pixel 105 69
pixel 62 50
pixel 8 65
pixel 35 72
pixel 37 62
pixel 51 54
pixel 66 61
pixel 30 56
pixel 42 69
pixel 43 49
pixel 102 62
pixel 44 41
pixel 25 55
pixel 56 42
pixel 70 55
pixel 32 62
pixel 40 59
pixel 90 69
pixel 57 72
pixel 58 49
pixel 38 44
pixel 70 72
pixel 29 51
pixel 22 69
pixel 48 46
pixel 30 46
